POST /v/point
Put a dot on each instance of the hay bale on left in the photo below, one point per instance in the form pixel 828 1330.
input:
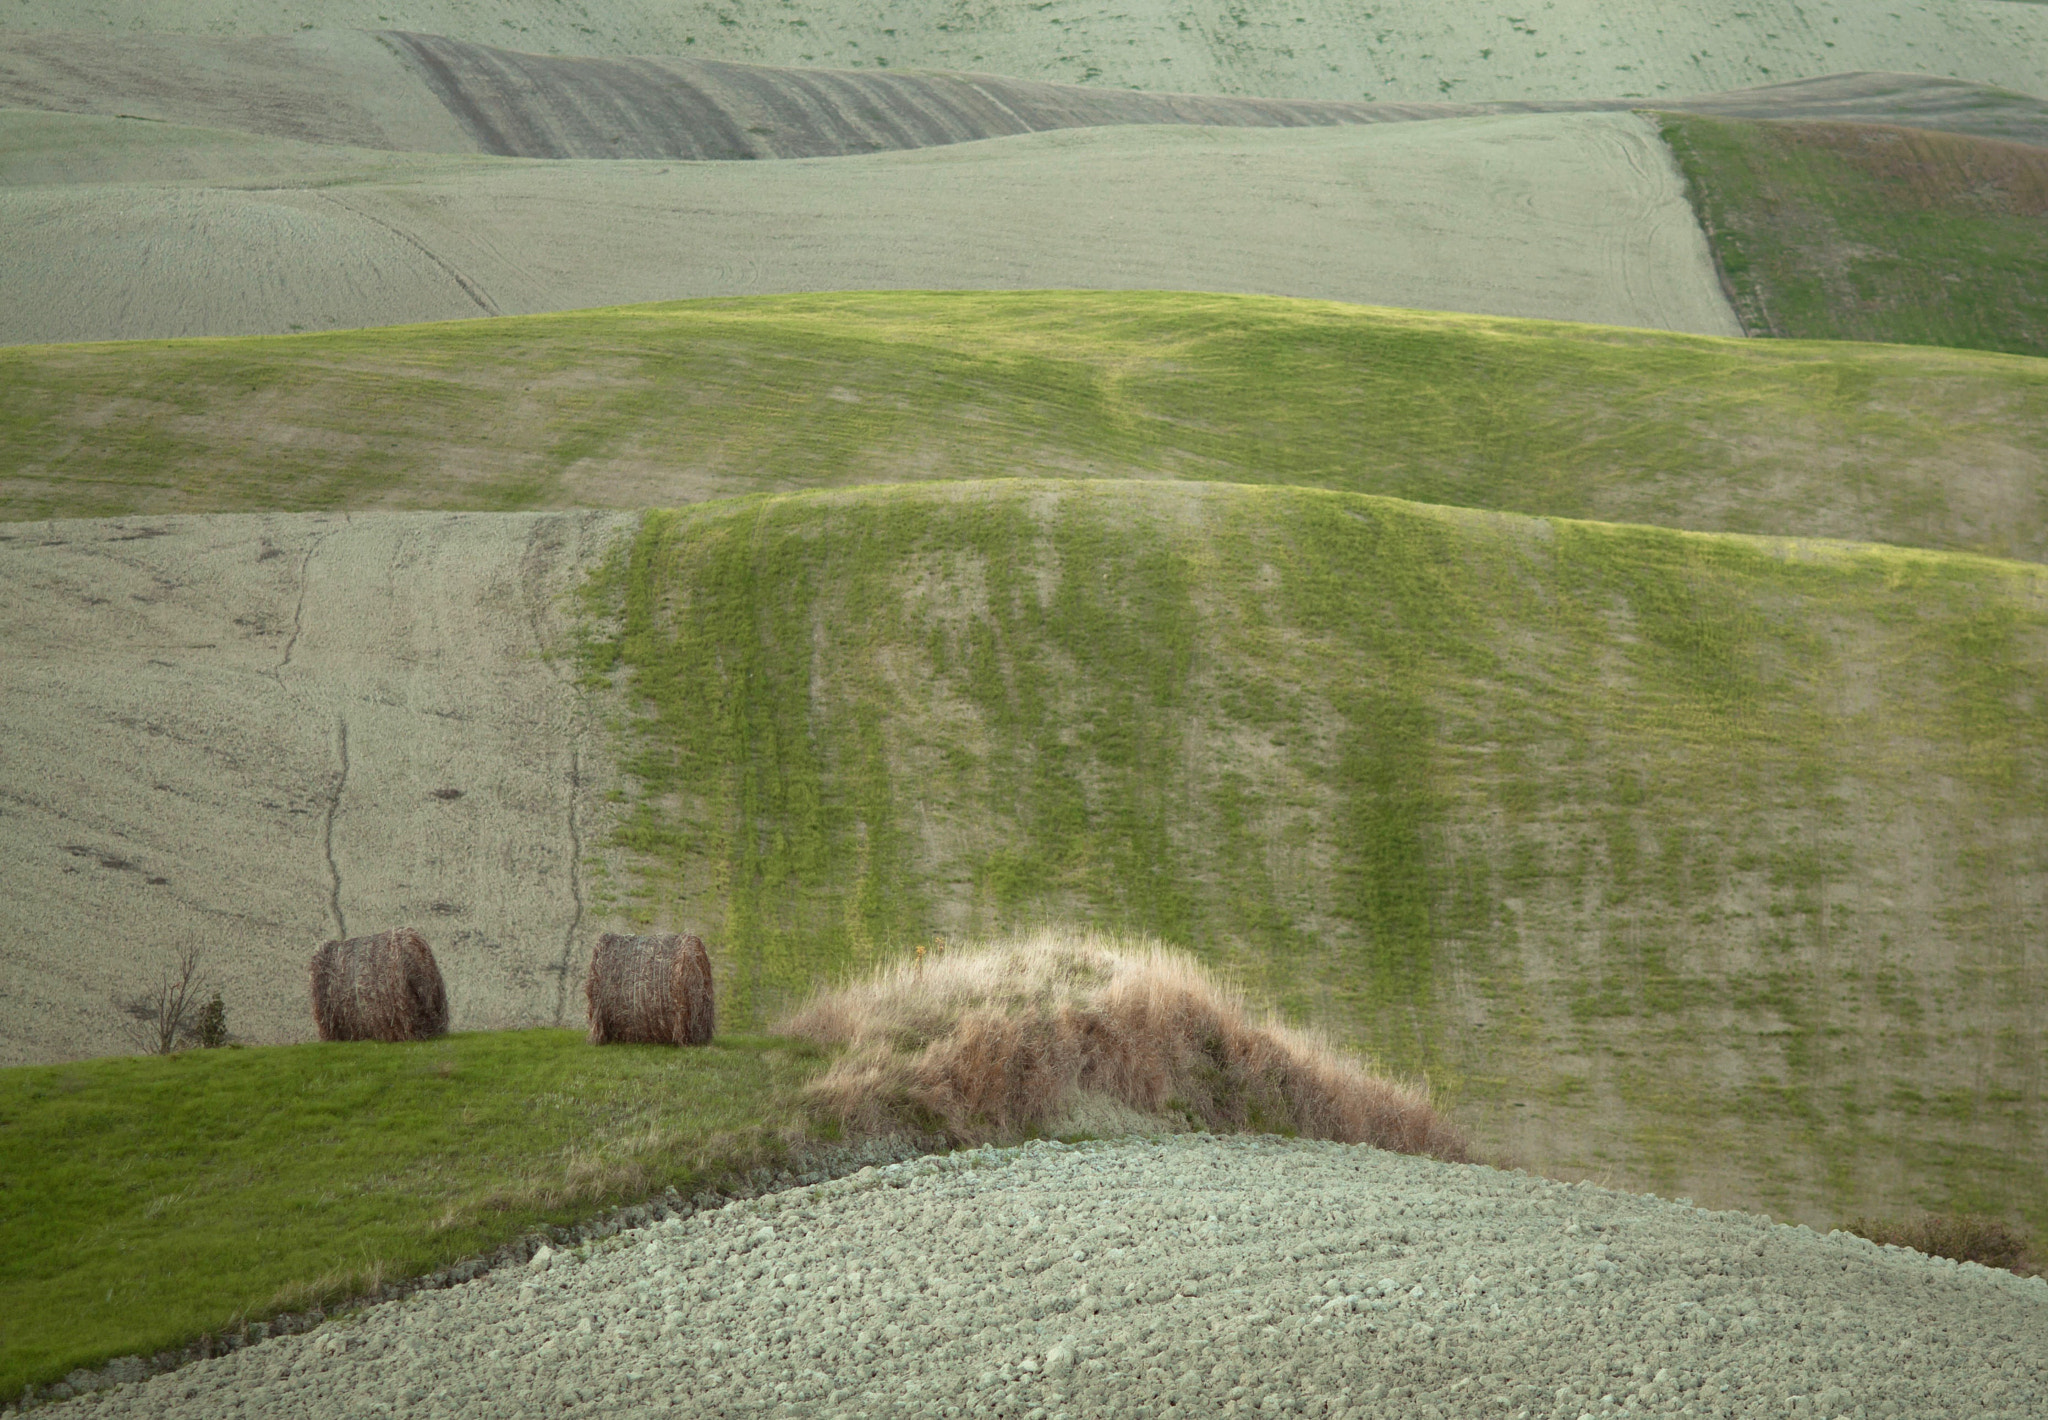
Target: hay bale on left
pixel 384 987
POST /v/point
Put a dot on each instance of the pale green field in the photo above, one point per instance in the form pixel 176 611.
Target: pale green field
pixel 137 231
pixel 1334 49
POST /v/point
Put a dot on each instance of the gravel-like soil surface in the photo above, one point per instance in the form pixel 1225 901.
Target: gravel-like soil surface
pixel 1183 1276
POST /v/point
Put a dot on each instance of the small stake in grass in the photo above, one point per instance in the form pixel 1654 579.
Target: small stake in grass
pixel 385 987
pixel 652 990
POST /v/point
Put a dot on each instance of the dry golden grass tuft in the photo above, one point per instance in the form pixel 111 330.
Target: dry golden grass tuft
pixel 1965 1239
pixel 1001 1041
pixel 338 1284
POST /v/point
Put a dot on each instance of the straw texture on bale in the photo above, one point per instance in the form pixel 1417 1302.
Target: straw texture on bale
pixel 1002 1042
pixel 385 987
pixel 652 990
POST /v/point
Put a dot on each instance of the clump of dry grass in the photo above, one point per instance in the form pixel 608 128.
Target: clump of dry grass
pixel 337 1284
pixel 1963 1238
pixel 1000 1042
pixel 385 987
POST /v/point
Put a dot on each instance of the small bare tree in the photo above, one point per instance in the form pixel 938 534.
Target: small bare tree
pixel 165 1013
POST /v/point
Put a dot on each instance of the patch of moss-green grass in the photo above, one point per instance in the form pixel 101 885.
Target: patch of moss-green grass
pixel 1697 822
pixel 673 404
pixel 1843 231
pixel 147 1201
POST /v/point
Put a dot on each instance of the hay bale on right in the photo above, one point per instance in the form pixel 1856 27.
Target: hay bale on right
pixel 651 990
pixel 384 987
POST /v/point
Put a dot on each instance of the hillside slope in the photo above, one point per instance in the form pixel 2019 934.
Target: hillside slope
pixel 1717 860
pixel 1557 216
pixel 1402 50
pixel 256 734
pixel 1709 861
pixel 661 405
pixel 430 93
pixel 1854 231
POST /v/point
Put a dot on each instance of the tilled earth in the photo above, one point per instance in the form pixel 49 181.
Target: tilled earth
pixel 1181 1276
pixel 258 733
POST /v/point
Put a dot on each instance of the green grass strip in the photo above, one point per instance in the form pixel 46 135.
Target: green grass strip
pixel 672 404
pixel 145 1201
pixel 1838 231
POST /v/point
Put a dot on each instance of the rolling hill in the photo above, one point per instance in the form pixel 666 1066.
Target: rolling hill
pixel 402 91
pixel 1700 858
pixel 1285 479
pixel 661 405
pixel 1559 216
pixel 1394 50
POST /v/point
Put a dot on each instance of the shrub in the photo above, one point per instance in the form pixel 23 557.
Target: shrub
pixel 1003 1041
pixel 1963 1238
pixel 211 1031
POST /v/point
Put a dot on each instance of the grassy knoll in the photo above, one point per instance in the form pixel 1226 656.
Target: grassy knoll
pixel 671 404
pixel 145 1201
pixel 1851 231
pixel 1710 864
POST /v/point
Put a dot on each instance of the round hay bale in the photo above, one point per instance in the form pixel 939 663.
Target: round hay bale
pixel 385 987
pixel 653 990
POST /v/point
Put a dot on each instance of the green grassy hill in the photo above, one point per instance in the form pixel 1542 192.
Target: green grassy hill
pixel 1700 861
pixel 1706 862
pixel 659 405
pixel 1862 231
pixel 144 1202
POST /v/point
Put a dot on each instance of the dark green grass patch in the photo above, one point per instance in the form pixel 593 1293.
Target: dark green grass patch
pixel 673 404
pixel 1667 824
pixel 147 1201
pixel 1848 231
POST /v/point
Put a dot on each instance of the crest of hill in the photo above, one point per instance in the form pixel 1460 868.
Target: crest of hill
pixel 686 402
pixel 1404 51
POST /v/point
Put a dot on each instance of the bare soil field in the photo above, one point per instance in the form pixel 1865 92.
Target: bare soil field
pixel 1579 217
pixel 429 93
pixel 257 733
pixel 1371 50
